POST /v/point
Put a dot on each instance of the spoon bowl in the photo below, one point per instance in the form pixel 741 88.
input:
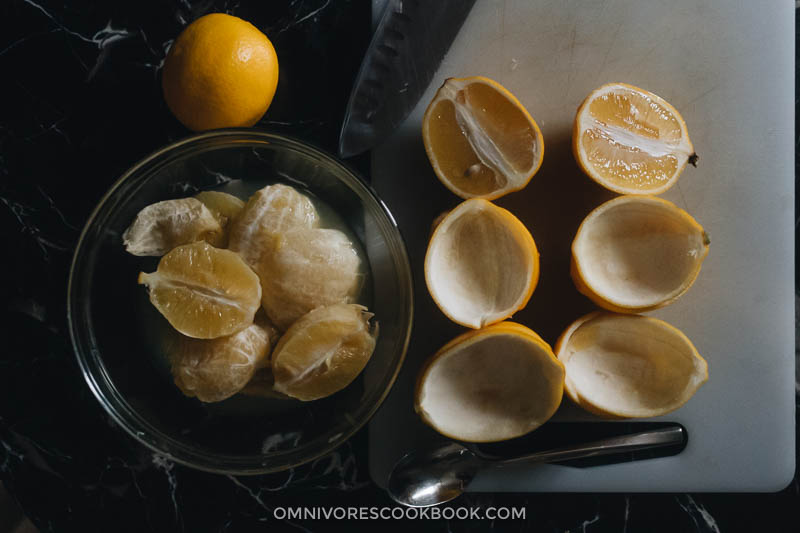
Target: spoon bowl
pixel 432 477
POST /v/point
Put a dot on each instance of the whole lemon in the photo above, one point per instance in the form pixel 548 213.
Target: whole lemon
pixel 220 72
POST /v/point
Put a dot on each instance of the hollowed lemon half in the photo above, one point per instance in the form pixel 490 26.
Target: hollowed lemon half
pixel 629 366
pixel 490 385
pixel 637 253
pixel 482 264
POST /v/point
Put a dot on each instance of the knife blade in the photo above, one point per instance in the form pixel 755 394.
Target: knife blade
pixel 409 43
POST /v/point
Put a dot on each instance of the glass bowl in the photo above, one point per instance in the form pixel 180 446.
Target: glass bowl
pixel 117 334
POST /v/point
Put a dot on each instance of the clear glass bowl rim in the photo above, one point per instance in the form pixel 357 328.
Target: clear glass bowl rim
pixel 90 361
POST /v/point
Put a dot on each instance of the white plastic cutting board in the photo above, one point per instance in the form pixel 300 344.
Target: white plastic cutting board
pixel 728 66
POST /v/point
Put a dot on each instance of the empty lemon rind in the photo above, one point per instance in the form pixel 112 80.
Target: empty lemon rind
pixel 482 264
pixel 637 253
pixel 629 366
pixel 490 385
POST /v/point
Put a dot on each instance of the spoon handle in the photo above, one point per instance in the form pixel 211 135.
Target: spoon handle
pixel 625 443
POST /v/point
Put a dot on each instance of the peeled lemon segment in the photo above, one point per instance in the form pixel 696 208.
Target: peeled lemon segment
pixel 225 208
pixel 323 351
pixel 629 366
pixel 489 385
pixel 160 227
pixel 637 253
pixel 216 369
pixel 305 269
pixel 480 140
pixel 630 140
pixel 204 292
pixel 482 264
pixel 269 211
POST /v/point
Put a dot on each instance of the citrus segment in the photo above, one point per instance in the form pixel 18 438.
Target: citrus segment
pixel 220 72
pixel 160 227
pixel 489 385
pixel 637 253
pixel 323 351
pixel 216 369
pixel 204 292
pixel 629 365
pixel 269 211
pixel 630 140
pixel 225 208
pixel 305 269
pixel 480 140
pixel 482 264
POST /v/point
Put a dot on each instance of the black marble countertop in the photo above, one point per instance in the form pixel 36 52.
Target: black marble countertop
pixel 82 102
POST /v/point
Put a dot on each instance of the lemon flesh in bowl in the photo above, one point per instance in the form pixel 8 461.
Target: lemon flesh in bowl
pixel 490 385
pixel 270 211
pixel 630 140
pixel 637 253
pixel 225 208
pixel 629 366
pixel 204 292
pixel 215 369
pixel 482 264
pixel 480 140
pixel 306 269
pixel 160 227
pixel 323 351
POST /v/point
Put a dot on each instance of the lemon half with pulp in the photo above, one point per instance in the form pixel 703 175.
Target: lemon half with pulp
pixel 480 140
pixel 630 140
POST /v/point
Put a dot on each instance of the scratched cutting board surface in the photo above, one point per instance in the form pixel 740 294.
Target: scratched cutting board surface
pixel 728 67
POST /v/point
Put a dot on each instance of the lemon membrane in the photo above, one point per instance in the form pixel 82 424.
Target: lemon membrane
pixel 159 330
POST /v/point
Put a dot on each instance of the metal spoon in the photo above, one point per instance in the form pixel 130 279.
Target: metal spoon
pixel 432 477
